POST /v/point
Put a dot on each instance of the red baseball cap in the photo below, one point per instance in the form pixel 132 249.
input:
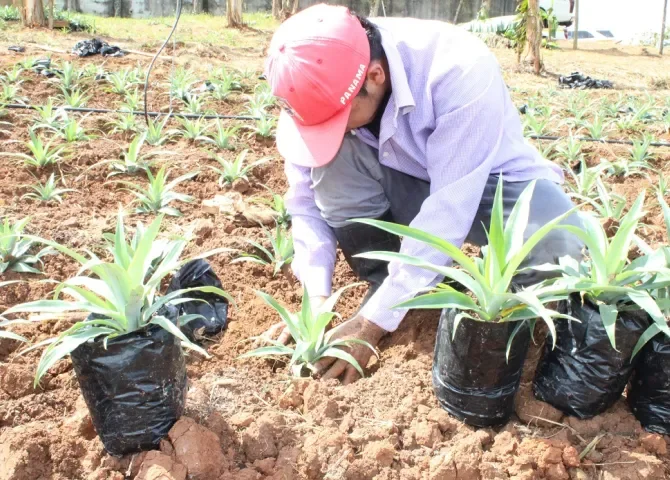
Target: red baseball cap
pixel 316 65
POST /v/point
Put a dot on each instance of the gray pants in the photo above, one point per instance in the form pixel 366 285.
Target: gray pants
pixel 356 185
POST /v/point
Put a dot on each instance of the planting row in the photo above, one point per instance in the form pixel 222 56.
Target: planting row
pixel 599 118
pixel 76 86
pixel 606 317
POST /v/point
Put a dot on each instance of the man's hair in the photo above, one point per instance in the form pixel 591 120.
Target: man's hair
pixel 375 40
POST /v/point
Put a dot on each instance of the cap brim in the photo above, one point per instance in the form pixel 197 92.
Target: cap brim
pixel 314 145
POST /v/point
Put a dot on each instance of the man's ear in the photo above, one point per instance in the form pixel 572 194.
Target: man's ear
pixel 376 75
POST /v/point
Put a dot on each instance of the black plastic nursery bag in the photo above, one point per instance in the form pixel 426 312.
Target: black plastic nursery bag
pixel 584 375
pixel 649 394
pixel 473 381
pixel 135 389
pixel 199 273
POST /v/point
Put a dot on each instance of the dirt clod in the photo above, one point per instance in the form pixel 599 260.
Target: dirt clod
pixel 258 441
pixel 533 411
pixel 242 419
pixel 571 457
pixel 557 471
pixel 379 452
pixel 443 420
pixel 552 455
pixel 265 466
pixel 158 466
pixel 442 467
pixel 654 443
pixel 79 423
pixel 427 434
pixel 198 449
pixel 24 452
pixel 16 381
pixel 504 444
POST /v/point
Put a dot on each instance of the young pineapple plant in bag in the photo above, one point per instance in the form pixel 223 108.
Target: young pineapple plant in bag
pixel 127 352
pixel 593 360
pixel 649 392
pixel 484 333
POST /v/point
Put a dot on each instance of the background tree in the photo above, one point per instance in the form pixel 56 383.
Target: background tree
pixel 665 15
pixel 282 9
pixel 31 12
pixel 534 32
pixel 234 13
pixel 374 9
pixel 575 38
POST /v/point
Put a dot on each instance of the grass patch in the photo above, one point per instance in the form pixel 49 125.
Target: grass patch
pixel 660 83
pixel 202 28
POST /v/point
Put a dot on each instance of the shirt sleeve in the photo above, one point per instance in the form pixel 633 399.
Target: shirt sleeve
pixel 469 111
pixel 313 240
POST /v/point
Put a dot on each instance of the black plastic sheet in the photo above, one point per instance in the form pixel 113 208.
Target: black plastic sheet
pixel 472 379
pixel 649 393
pixel 94 46
pixel 584 375
pixel 581 82
pixel 199 273
pixel 135 389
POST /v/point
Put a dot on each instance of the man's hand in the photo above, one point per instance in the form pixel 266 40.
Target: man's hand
pixel 357 327
pixel 281 332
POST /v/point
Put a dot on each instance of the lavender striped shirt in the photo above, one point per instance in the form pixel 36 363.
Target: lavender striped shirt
pixel 450 120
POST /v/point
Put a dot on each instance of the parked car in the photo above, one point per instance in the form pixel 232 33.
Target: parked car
pixel 589 34
pixel 561 8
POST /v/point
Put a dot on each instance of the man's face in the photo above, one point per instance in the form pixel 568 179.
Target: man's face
pixel 364 107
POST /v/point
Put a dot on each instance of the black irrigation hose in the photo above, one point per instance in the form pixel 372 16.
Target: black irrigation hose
pixel 588 139
pixel 149 114
pixel 153 60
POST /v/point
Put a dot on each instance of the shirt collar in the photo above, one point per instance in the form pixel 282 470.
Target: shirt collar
pixel 402 95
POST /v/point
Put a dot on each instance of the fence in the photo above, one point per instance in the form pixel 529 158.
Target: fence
pixel 431 9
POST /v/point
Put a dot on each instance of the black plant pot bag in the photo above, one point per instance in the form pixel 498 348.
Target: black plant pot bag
pixel 649 394
pixel 135 389
pixel 473 381
pixel 199 273
pixel 584 375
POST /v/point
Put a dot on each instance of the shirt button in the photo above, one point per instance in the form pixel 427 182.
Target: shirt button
pixel 353 132
pixel 396 314
pixel 386 154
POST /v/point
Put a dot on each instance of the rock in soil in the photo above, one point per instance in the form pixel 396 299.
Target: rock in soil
pixel 198 449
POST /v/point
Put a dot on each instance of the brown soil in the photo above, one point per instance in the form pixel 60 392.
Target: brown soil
pixel 249 419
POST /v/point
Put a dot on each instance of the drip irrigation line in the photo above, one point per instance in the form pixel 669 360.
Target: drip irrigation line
pixel 153 60
pixel 148 114
pixel 588 139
